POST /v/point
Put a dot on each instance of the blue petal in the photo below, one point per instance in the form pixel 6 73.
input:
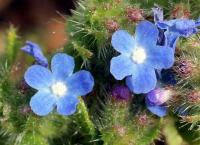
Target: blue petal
pixel 184 27
pixel 122 41
pixel 34 50
pixel 158 13
pixel 38 77
pixel 146 34
pixel 143 80
pixel 80 83
pixel 160 57
pixel 160 111
pixel 62 65
pixel 42 103
pixel 121 66
pixel 165 24
pixel 67 105
pixel 197 23
pixel 172 39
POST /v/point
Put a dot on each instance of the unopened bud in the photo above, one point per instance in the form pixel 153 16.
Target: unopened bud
pixel 112 25
pixel 180 11
pixel 134 14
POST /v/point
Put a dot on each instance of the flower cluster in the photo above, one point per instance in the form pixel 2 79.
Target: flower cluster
pixel 143 59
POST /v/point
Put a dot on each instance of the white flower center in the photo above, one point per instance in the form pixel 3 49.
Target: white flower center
pixel 139 55
pixel 59 89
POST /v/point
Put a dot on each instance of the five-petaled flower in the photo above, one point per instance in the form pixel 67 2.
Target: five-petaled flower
pixel 140 57
pixel 155 100
pixel 58 87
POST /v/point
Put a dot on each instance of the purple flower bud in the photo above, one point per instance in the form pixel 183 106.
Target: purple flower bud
pixel 184 68
pixel 34 50
pixel 23 86
pixel 193 97
pixel 25 110
pixel 142 119
pixel 112 25
pixel 159 96
pixel 120 92
pixel 134 14
pixel 121 131
pixel 180 11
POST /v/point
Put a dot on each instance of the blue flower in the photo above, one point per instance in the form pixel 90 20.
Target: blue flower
pixel 173 29
pixel 58 87
pixel 34 50
pixel 180 27
pixel 140 56
pixel 155 100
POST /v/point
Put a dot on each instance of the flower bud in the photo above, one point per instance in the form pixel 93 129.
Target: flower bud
pixel 184 68
pixel 23 86
pixel 134 14
pixel 180 11
pixel 142 119
pixel 121 131
pixel 120 92
pixel 159 96
pixel 25 110
pixel 193 97
pixel 112 25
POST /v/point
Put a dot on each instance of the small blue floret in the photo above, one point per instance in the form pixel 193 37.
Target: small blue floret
pixel 173 29
pixel 139 57
pixel 59 87
pixel 34 50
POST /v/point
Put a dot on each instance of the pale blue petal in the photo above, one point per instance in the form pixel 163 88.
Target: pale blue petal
pixel 62 65
pixel 160 57
pixel 80 83
pixel 146 34
pixel 122 41
pixel 184 27
pixel 67 105
pixel 172 39
pixel 121 66
pixel 42 103
pixel 160 111
pixel 158 13
pixel 197 22
pixel 143 80
pixel 34 50
pixel 165 24
pixel 38 77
